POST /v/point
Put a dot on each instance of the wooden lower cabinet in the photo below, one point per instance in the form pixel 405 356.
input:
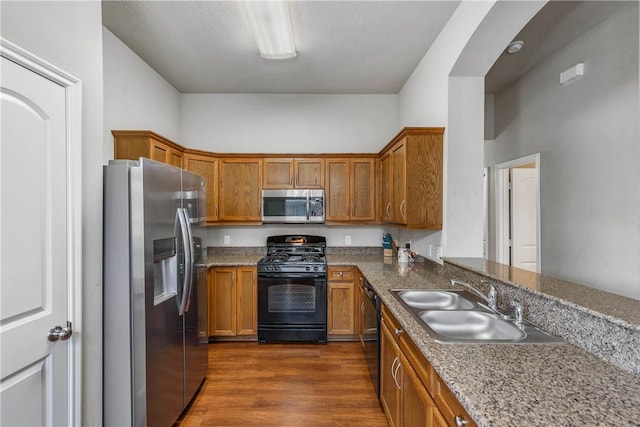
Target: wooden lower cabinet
pixel 233 301
pixel 404 398
pixel 341 303
pixel 411 392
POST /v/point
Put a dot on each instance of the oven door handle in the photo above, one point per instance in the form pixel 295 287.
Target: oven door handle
pixel 292 276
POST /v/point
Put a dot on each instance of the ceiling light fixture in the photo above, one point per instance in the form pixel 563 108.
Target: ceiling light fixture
pixel 271 26
pixel 515 46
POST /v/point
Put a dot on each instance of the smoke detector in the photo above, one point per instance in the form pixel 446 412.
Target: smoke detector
pixel 515 46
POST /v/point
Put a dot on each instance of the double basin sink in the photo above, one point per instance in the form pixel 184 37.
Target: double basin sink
pixel 460 316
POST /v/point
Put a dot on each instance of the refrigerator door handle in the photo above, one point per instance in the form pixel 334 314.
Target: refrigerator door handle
pixel 187 250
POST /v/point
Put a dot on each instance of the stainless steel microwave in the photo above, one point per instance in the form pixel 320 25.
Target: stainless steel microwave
pixel 293 206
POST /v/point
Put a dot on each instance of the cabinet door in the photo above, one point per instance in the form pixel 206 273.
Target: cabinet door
pixel 159 152
pixel 390 382
pixel 309 173
pixel 399 183
pixel 174 158
pixel 341 307
pixel 240 189
pixel 362 191
pixel 341 301
pixel 386 186
pixel 337 190
pixel 278 173
pixel 417 406
pixel 247 300
pixel 206 167
pixel 222 301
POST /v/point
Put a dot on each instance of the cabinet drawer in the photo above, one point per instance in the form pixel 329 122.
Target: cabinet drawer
pixel 346 274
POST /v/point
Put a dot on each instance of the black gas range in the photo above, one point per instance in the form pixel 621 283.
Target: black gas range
pixel 292 290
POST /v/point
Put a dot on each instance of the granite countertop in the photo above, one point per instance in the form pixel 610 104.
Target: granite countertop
pixel 501 384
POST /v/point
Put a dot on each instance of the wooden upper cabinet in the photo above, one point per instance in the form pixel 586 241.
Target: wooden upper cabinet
pixel 240 192
pixel 386 190
pixel 133 144
pixel 399 180
pixel 412 162
pixel 293 173
pixel 207 167
pixel 337 190
pixel 309 173
pixel 350 189
pixel 362 189
pixel 278 173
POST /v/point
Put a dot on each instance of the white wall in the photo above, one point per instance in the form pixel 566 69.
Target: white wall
pixel 587 134
pixel 135 96
pixel 69 35
pixel 282 123
pixel 447 89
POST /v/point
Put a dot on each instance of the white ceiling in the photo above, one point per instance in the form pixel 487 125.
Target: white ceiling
pixel 343 46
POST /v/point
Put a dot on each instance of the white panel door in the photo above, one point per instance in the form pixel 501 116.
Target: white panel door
pixel 34 253
pixel 524 245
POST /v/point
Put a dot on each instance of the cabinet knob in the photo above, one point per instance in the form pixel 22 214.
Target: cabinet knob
pixel 460 421
pixel 341 273
pixel 398 331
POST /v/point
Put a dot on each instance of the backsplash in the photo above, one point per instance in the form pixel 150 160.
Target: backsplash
pixel 354 250
pixel 236 250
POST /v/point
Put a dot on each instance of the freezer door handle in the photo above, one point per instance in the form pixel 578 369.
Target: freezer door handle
pixel 187 249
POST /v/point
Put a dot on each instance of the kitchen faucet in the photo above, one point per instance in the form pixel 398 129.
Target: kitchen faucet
pixel 491 298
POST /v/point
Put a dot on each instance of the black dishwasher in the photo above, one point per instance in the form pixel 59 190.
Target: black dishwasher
pixel 370 332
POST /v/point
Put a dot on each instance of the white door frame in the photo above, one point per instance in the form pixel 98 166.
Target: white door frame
pixel 73 90
pixel 503 208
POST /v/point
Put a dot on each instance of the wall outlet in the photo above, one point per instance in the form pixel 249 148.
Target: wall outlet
pixel 347 240
pixel 226 239
pixel 429 249
pixel 438 251
pixel 410 242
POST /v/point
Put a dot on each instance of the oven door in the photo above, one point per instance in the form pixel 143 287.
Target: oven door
pixel 292 299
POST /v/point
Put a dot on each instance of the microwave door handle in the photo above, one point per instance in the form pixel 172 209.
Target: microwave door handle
pixel 185 234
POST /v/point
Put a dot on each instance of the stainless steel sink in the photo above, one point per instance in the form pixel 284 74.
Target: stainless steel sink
pixel 471 325
pixel 435 300
pixel 459 316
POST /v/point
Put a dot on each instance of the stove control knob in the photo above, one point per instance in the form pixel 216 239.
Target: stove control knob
pixel 269 268
pixel 307 268
pixel 276 268
pixel 315 268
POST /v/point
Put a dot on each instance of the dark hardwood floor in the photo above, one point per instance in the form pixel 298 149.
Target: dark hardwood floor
pixel 285 385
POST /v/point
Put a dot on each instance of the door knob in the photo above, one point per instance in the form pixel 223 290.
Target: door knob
pixel 59 333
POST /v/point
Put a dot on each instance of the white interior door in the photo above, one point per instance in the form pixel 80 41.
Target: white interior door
pixel 37 258
pixel 524 245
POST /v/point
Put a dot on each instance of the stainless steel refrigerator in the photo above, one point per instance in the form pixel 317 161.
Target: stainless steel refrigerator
pixel 155 344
